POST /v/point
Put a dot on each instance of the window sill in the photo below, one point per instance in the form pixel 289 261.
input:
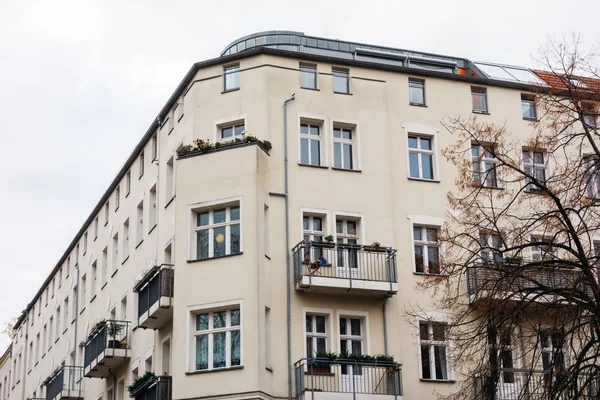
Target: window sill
pixel 151 229
pixel 488 187
pixel 418 105
pixel 56 341
pixel 427 274
pixel 51 297
pixel 170 201
pixel 49 348
pixel 92 299
pixel 36 364
pixel 114 272
pixel 106 223
pixel 127 194
pixel 215 258
pixel 346 169
pixel 116 209
pixel 103 286
pixel 135 328
pixel 43 355
pixel 28 372
pixel 410 178
pixel 230 90
pixel 309 88
pixel 206 371
pixel 530 119
pixel 73 321
pixel 314 166
pixel 139 243
pixel 82 310
pixel 180 117
pixel 437 380
pixel 481 112
pixel 347 94
pixel 269 369
pixel 267 257
pixel 125 260
pixel 65 331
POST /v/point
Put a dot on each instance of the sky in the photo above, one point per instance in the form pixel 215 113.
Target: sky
pixel 81 81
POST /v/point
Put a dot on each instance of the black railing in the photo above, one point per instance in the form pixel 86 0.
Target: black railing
pixel 344 261
pixel 107 335
pixel 347 376
pixel 157 283
pixel 65 382
pixel 517 384
pixel 519 278
pixel 155 388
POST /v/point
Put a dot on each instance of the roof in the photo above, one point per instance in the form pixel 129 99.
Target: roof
pixel 6 355
pixel 569 83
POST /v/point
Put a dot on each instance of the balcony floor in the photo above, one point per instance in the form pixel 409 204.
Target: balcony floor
pixel 108 359
pixel 323 284
pixel 158 315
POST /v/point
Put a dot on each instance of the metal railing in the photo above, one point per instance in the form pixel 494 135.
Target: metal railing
pixel 106 336
pixel 156 388
pixel 344 261
pixel 157 283
pixel 65 382
pixel 347 376
pixel 518 384
pixel 517 277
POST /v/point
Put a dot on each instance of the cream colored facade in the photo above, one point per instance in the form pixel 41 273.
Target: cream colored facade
pixel 153 220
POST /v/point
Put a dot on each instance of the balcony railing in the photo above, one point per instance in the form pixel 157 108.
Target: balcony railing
pixel 106 347
pixel 516 278
pixel 348 267
pixel 65 382
pixel 517 384
pixel 155 296
pixel 315 375
pixel 156 388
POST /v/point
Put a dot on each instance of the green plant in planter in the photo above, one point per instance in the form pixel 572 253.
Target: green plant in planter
pixel 113 329
pixel 384 358
pixel 267 145
pixel 139 381
pixel 185 149
pixel 218 144
pixel 250 138
pixel 203 144
pixel 329 238
pixel 325 361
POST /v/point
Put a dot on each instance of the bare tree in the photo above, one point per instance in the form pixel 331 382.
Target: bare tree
pixel 521 262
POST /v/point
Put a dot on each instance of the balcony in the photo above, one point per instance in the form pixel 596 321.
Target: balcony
pixel 325 379
pixel 154 388
pixel 106 348
pixel 516 384
pixel 155 297
pixel 65 383
pixel 337 268
pixel 520 280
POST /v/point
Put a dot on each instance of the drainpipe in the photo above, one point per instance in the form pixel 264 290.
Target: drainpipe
pixel 76 314
pixel 385 337
pixel 25 351
pixel 287 247
pixel 114 384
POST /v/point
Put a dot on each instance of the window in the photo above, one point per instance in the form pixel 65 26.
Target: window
pixel 217 232
pixel 66 313
pixel 142 164
pixel 104 266
pixel 346 232
pixel 312 230
pixel 491 244
pixel 351 336
pixel 575 83
pixel 427 251
pixel 506 352
pixel 166 356
pixel 152 212
pixel 170 181
pixel 590 116
pixel 95 228
pixel 317 341
pixel 343 145
pixel 117 197
pixel 341 80
pixel 266 231
pixel 106 212
pixel 420 157
pixel 217 339
pixel 58 327
pixel 308 76
pixel 154 147
pixel 38 345
pixel 233 132
pixel 416 92
pixel 310 144
pixel 128 183
pixel 50 331
pixel 591 165
pixel 553 356
pixel 484 166
pixel 434 350
pixel 528 107
pixel 479 98
pixel 231 77
pixel 543 249
pixel 123 315
pixel 94 279
pixel 534 163
pixel 140 223
pixel 115 252
pixel 45 337
pixel 126 239
pixel 83 290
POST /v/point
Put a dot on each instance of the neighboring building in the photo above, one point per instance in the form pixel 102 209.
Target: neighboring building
pixel 181 268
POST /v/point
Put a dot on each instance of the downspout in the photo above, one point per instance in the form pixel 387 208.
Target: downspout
pixel 76 315
pixel 287 247
pixel 114 384
pixel 385 336
pixel 24 369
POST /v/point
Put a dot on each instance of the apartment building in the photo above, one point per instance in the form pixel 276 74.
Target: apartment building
pixel 300 223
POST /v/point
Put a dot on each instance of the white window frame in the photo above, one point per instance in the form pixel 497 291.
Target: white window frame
pixel 431 347
pixel 489 255
pixel 530 98
pixel 353 126
pixel 590 114
pixel 309 68
pixel 420 152
pixel 231 69
pixel 532 167
pixel 229 122
pixel 309 137
pixel 210 207
pixel 538 253
pixel 142 164
pixel 482 159
pixel 314 335
pixel 427 132
pixel 365 327
pixel 592 177
pixel 424 221
pixel 338 72
pixel 192 311
pixel 418 81
pixel 426 244
pixel 479 90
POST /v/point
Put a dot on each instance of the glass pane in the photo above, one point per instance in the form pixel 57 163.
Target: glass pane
pixel 425 144
pixel 219 350
pixel 343 347
pixel 202 218
pixel 412 142
pixel 423 331
pixel 239 129
pixel 347 156
pixel 315 155
pixel 417 95
pixel 440 362
pixel 304 151
pixel 202 244
pixel 342 326
pixel 538 157
pixel 235 348
pixel 201 352
pixel 308 77
pixel 226 133
pixel 356 347
pixel 527 159
pixel 314 130
pixel 346 134
pixel 439 332
pixel 309 347
pixel 235 239
pixel 235 317
pixel 355 326
pixel 305 223
pixel 219 319
pixel 419 262
pixel 336 133
pixel 219 216
pixel 427 164
pixel 418 233
pixel 413 159
pixel 337 155
pixel 317 224
pixel 475 150
pixel 340 82
pixel 351 227
pixel 320 322
pixel 433 260
pixel 219 242
pixel 321 345
pixel 425 369
pixel 234 214
pixel 431 235
pixel 339 226
pixel 309 323
pixel 201 322
pixel 304 129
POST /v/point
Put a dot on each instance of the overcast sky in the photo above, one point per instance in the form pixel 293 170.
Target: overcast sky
pixel 81 81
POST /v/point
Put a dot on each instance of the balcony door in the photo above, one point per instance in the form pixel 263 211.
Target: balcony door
pixel 352 341
pixel 509 385
pixel 347 255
